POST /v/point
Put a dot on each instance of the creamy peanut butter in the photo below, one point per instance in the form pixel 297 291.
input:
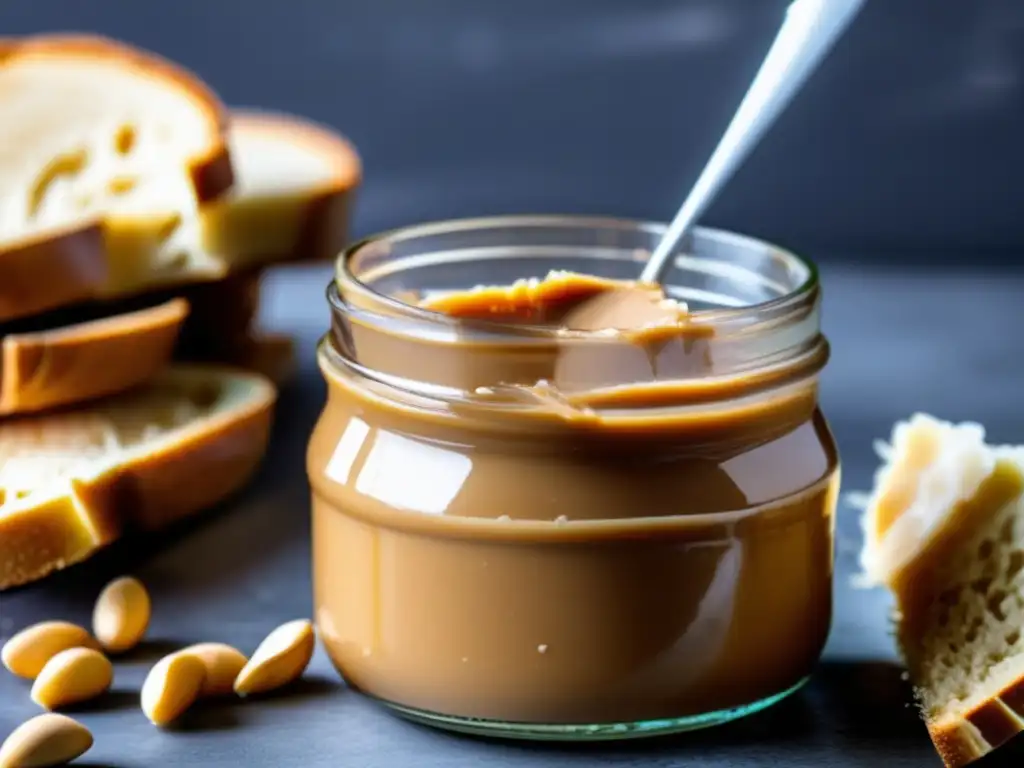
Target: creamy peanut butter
pixel 569 300
pixel 604 552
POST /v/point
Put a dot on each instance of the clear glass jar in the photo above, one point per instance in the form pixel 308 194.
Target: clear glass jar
pixel 536 533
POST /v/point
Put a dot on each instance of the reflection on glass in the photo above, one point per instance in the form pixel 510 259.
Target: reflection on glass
pixel 407 474
pixel 344 457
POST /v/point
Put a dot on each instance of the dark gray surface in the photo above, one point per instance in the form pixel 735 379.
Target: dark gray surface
pixel 901 342
pixel 907 138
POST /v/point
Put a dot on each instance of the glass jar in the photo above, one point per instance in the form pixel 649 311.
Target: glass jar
pixel 541 533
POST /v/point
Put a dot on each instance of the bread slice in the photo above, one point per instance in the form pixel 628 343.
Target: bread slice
pixel 944 530
pixel 295 183
pixel 90 350
pixel 73 482
pixel 107 149
pixel 56 365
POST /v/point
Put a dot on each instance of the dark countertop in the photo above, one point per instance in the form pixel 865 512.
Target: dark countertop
pixel 902 341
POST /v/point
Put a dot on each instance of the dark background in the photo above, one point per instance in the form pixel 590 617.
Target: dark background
pixel 906 144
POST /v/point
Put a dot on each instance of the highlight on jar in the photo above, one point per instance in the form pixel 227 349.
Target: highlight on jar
pixel 552 501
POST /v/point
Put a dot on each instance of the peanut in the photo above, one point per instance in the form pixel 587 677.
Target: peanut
pixel 43 741
pixel 221 663
pixel 171 687
pixel 27 652
pixel 121 615
pixel 279 659
pixel 72 676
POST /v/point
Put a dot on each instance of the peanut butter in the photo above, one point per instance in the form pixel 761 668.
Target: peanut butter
pixel 571 300
pixel 589 556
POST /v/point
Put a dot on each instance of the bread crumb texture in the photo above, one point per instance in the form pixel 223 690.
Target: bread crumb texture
pixel 72 482
pixel 957 578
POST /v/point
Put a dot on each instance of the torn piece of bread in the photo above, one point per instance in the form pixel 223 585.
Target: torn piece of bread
pixel 944 530
pixel 72 482
pixel 106 149
pixel 929 466
pixel 295 182
pixel 55 365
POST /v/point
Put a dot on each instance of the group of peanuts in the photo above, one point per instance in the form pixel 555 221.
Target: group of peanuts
pixel 69 665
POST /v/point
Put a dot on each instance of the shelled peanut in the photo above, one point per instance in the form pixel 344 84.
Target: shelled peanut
pixel 67 665
pixel 45 740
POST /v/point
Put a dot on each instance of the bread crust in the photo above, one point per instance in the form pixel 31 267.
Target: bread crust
pixel 57 269
pixel 958 743
pixel 74 363
pixel 322 211
pixel 160 488
pixel 917 583
pixel 65 265
pixel 984 728
pixel 973 733
pixel 211 171
pixel 172 477
pixel 103 348
pixel 72 265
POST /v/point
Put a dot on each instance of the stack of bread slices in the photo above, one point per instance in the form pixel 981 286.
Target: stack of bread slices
pixel 136 215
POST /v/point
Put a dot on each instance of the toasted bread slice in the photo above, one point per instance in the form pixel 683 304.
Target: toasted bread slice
pixel 91 350
pixel 72 482
pixel 944 530
pixel 65 364
pixel 295 182
pixel 107 150
pixel 80 353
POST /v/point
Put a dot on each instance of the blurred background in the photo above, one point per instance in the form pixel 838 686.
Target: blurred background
pixel 905 146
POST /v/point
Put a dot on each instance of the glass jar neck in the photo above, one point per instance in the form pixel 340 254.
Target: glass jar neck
pixel 731 352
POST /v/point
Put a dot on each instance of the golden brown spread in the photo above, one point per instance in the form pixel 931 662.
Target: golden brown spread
pixel 567 299
pixel 629 553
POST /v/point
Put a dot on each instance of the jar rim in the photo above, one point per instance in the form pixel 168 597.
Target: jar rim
pixel 767 334
pixel 347 283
